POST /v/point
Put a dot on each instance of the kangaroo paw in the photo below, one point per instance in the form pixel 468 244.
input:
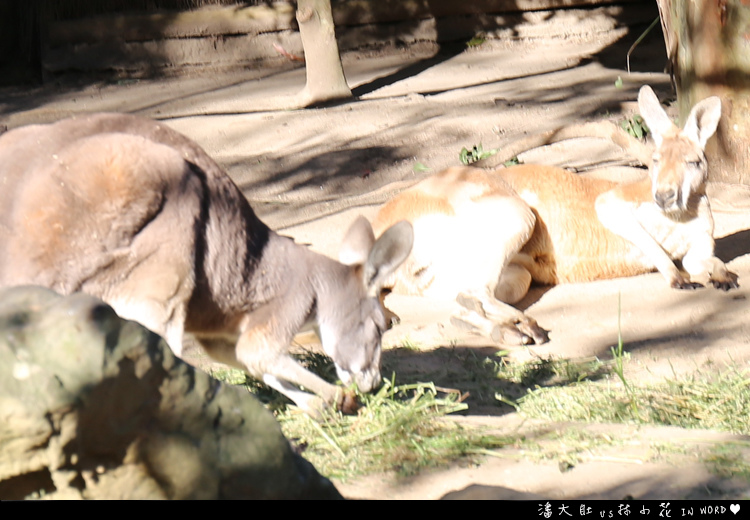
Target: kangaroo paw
pixel 519 331
pixel 725 283
pixel 522 332
pixel 317 407
pixel 531 328
pixel 685 284
pixel 347 402
pixel 510 335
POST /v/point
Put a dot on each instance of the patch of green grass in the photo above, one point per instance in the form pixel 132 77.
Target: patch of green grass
pixel 475 154
pixel 547 372
pixel 551 386
pixel 477 40
pixel 569 446
pixel 403 428
pixel 399 428
pixel 729 459
pixel 230 376
pixel 420 167
pixel 513 161
pixel 720 402
pixel 409 344
pixel 635 126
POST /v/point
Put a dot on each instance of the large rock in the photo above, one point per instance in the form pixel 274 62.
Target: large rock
pixel 92 406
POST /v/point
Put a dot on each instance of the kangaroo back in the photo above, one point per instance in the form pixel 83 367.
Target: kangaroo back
pixel 569 243
pixel 451 213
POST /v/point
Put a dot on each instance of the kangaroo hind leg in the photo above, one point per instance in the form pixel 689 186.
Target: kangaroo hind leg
pixel 507 281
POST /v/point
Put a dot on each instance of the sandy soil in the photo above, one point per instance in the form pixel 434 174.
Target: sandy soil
pixel 309 173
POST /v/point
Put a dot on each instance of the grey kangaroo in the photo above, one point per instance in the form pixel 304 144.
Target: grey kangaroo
pixel 128 210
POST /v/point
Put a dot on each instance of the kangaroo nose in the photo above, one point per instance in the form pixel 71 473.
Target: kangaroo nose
pixel 665 199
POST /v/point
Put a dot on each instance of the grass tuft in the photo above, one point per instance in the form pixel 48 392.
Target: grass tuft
pixel 400 428
pixel 403 427
pixel 721 402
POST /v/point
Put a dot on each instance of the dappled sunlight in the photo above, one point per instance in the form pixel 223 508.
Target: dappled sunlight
pixel 309 173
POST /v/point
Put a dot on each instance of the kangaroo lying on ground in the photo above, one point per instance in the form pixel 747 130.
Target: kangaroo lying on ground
pixel 128 210
pixel 483 237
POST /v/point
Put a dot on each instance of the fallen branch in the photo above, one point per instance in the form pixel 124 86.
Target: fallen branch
pixel 600 129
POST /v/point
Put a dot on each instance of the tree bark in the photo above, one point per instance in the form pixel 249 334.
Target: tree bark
pixel 325 75
pixel 708 45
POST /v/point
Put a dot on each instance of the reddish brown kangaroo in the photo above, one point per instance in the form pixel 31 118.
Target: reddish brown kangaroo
pixel 483 237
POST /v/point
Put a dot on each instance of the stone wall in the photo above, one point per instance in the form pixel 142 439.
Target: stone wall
pixel 171 42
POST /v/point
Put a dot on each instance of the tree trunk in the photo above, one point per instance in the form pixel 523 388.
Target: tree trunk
pixel 325 75
pixel 708 44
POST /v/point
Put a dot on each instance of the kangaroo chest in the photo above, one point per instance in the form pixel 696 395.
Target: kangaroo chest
pixel 676 237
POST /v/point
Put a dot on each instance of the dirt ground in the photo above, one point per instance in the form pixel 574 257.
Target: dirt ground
pixel 308 173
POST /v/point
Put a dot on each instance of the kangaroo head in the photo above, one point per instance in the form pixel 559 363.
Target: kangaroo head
pixel 352 321
pixel 679 169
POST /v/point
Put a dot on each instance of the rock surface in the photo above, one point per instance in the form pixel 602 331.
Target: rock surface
pixel 93 406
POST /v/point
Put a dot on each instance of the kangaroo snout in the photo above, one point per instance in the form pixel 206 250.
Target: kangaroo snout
pixel 366 380
pixel 666 199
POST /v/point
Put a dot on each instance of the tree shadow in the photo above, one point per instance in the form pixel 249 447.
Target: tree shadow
pixel 480 376
pixel 329 174
pixel 733 246
pixel 33 32
pixel 451 30
pixel 444 53
pixel 648 56
pixel 630 481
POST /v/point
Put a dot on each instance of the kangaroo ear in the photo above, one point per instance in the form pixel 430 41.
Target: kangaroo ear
pixel 702 121
pixel 357 243
pixel 652 112
pixel 388 253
